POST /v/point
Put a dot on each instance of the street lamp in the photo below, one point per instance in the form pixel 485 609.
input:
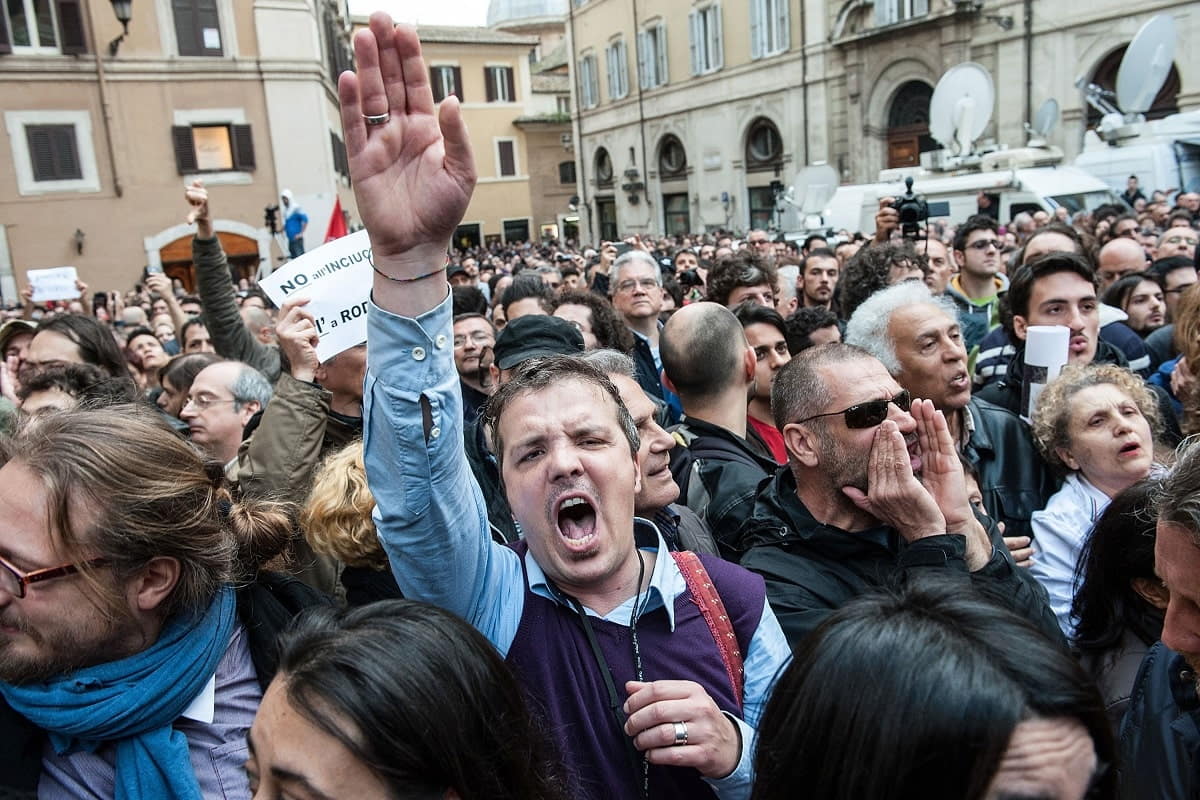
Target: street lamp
pixel 123 9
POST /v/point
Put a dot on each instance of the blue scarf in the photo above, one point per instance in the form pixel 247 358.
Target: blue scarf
pixel 133 702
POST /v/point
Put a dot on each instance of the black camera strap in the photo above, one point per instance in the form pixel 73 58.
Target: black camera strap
pixel 637 759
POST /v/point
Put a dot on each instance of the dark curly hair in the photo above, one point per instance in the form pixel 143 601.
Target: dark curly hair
pixel 869 270
pixel 610 332
pixel 744 268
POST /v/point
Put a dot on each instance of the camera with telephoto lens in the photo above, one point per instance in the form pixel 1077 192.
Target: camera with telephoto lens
pixel 913 211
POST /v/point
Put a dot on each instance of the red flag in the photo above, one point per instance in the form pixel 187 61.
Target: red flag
pixel 337 222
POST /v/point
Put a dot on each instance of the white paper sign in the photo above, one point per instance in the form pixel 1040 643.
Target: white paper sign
pixel 1046 353
pixel 56 283
pixel 212 39
pixel 336 277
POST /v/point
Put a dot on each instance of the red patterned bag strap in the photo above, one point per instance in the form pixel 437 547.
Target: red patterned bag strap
pixel 706 598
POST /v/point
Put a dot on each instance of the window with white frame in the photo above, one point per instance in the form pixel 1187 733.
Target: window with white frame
pixel 890 12
pixel 499 83
pixel 42 26
pixel 589 81
pixel 618 70
pixel 52 151
pixel 652 56
pixel 707 51
pixel 768 27
pixel 445 80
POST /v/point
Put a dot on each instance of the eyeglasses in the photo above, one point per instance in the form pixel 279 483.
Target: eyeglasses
pixel 1180 289
pixel 646 284
pixel 205 402
pixel 869 414
pixel 984 244
pixel 15 582
pixel 478 337
pixel 1188 240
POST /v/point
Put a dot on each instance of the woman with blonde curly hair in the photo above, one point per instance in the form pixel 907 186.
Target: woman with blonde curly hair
pixel 1097 424
pixel 336 520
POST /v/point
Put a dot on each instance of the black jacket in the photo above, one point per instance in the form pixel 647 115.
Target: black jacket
pixel 1160 737
pixel 265 607
pixel 1006 392
pixel 812 569
pixel 717 471
pixel 1013 479
pixel 487 474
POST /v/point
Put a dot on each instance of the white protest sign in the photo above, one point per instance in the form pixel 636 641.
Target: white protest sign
pixel 56 283
pixel 336 277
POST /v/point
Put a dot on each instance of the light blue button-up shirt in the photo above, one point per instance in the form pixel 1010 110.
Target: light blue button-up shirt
pixel 432 517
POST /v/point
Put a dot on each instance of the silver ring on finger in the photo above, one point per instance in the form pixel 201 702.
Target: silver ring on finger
pixel 681 734
pixel 377 119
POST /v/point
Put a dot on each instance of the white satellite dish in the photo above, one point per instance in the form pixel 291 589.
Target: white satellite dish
pixel 1146 64
pixel 1046 118
pixel 961 107
pixel 813 188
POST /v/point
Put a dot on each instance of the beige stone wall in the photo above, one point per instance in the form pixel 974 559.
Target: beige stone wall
pixel 148 87
pixel 496 197
pixel 549 197
pixel 852 71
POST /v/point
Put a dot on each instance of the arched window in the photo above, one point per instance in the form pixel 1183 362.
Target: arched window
pixel 672 158
pixel 908 125
pixel 1166 102
pixel 604 169
pixel 764 146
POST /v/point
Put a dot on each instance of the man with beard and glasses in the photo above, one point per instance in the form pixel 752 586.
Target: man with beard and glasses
pixel 647 687
pixel 1160 737
pixel 136 633
pixel 850 513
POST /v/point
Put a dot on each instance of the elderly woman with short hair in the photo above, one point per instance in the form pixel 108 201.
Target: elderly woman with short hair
pixel 1097 424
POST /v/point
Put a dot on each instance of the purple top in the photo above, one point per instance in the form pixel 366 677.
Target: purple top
pixel 558 668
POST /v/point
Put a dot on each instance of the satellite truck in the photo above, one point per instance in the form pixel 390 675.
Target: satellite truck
pixel 1163 154
pixel 947 184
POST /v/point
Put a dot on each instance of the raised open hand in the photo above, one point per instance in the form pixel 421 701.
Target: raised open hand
pixel 413 172
pixel 942 474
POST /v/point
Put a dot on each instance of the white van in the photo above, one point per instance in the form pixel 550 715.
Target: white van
pixel 954 197
pixel 1163 154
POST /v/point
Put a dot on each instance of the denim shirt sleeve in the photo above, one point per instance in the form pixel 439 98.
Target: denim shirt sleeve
pixel 768 655
pixel 429 511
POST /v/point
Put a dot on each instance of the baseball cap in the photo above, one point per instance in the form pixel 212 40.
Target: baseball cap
pixel 13 327
pixel 534 336
pixel 456 269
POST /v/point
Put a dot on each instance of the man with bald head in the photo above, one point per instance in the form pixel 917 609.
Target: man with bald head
pixel 1120 257
pixel 708 363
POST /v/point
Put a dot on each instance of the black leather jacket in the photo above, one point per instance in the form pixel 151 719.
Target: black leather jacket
pixel 1013 478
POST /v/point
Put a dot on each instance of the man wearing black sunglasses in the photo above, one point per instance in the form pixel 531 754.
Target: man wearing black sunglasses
pixel 874 492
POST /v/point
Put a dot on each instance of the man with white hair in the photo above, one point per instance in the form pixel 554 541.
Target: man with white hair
pixel 917 337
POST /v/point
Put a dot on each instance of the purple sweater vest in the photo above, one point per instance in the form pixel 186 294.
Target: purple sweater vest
pixel 554 662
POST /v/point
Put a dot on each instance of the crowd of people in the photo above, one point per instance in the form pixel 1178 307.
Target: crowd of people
pixel 676 516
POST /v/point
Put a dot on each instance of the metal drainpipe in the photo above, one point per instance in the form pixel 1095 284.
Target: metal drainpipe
pixel 105 110
pixel 642 121
pixel 804 79
pixel 577 129
pixel 1028 61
